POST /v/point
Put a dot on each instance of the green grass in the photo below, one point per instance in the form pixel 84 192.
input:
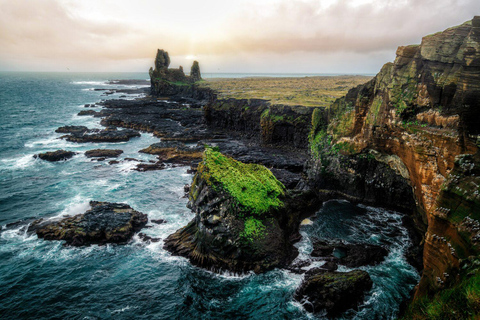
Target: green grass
pixel 462 301
pixel 253 186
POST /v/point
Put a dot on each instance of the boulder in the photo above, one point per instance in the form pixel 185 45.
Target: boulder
pixel 104 223
pixel 72 129
pixel 105 153
pixel 334 292
pixel 53 156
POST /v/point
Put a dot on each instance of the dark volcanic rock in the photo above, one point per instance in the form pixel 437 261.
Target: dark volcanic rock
pixel 107 135
pixel 72 129
pixel 350 255
pixel 175 152
pixel 58 155
pixel 195 72
pixel 106 153
pixel 104 223
pixel 88 113
pixel 334 292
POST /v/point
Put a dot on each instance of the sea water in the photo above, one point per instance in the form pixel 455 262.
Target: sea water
pixel 46 280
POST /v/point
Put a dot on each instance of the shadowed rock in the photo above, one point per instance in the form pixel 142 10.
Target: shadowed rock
pixel 334 292
pixel 53 156
pixel 104 223
pixel 106 153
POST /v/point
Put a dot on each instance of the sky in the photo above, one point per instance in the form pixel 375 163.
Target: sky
pixel 242 36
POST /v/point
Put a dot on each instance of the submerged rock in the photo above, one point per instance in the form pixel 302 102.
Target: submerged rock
pixel 104 223
pixel 334 292
pixel 53 156
pixel 350 255
pixel 105 153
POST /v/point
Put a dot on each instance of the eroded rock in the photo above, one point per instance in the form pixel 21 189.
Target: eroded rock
pixel 104 223
pixel 334 292
pixel 54 156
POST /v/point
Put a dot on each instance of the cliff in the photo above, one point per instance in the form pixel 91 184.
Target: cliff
pixel 420 116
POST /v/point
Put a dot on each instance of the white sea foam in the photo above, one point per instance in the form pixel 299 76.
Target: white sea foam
pixel 104 82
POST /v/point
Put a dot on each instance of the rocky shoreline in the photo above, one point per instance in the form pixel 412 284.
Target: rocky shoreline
pixel 400 141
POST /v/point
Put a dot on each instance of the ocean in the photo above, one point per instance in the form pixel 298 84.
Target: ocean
pixel 46 280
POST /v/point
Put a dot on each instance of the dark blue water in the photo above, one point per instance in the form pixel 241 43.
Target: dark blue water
pixel 44 280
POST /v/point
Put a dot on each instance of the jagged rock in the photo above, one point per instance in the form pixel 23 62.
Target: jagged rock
pixel 53 156
pixel 142 167
pixel 147 238
pixel 423 109
pixel 110 134
pixel 162 60
pixel 88 113
pixel 175 152
pixel 104 223
pixel 72 129
pixel 159 221
pixel 195 72
pixel 105 153
pixel 334 292
pixel 229 231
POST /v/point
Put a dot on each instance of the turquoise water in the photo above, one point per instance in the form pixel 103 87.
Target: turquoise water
pixel 44 280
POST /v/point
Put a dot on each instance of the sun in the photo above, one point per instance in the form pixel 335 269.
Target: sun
pixel 191 57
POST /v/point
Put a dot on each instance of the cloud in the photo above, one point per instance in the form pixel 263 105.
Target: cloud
pixel 90 35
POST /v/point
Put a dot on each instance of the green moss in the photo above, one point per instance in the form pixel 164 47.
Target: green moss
pixel 254 229
pixel 253 186
pixel 462 301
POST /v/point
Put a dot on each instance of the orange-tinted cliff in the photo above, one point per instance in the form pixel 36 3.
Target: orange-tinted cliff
pixel 421 116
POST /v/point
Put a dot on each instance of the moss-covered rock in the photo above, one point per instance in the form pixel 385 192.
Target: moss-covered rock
pixel 244 218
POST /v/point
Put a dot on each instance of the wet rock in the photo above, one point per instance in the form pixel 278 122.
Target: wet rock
pixel 72 129
pixel 350 255
pixel 225 234
pixel 107 135
pixel 142 167
pixel 105 153
pixel 104 223
pixel 147 238
pixel 334 292
pixel 53 156
pixel 113 162
pixel 175 152
pixel 159 221
pixel 87 113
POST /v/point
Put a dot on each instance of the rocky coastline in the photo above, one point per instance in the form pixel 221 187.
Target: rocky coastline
pixel 406 140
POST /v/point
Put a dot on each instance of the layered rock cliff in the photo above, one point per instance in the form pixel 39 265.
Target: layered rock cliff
pixel 420 116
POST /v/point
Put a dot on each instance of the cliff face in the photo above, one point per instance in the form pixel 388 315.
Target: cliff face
pixel 272 124
pixel 422 111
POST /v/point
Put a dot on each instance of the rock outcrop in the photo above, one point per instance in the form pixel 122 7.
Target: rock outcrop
pixel 349 255
pixel 104 223
pixel 420 115
pixel 167 81
pixel 103 153
pixel 110 134
pixel 243 221
pixel 54 156
pixel 334 292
